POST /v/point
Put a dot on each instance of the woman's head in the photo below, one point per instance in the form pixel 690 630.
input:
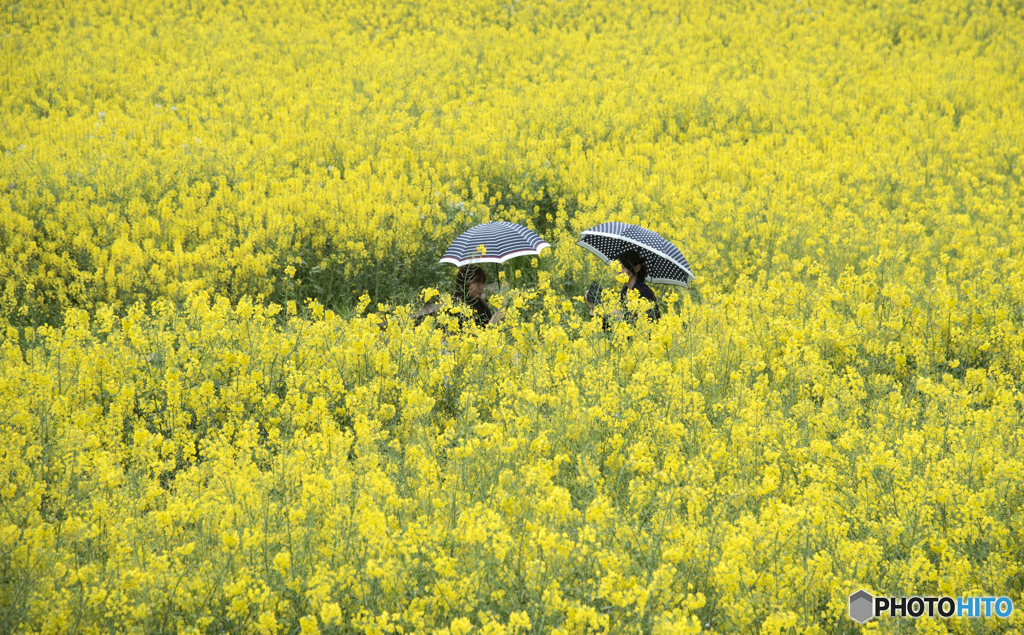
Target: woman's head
pixel 469 282
pixel 634 265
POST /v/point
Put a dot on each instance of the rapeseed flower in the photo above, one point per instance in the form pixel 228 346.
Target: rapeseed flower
pixel 207 426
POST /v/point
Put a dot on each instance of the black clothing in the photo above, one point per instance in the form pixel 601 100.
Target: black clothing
pixel 630 316
pixel 645 292
pixel 482 312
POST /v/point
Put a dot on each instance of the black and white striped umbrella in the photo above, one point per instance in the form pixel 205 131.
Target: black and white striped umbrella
pixel 665 263
pixel 502 241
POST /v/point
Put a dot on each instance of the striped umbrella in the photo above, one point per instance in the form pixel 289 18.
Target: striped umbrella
pixel 665 263
pixel 501 240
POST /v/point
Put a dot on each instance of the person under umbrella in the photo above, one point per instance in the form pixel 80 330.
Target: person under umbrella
pixel 469 289
pixel 644 256
pixel 633 266
pixel 495 242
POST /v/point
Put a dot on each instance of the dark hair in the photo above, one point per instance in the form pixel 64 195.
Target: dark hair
pixel 630 260
pixel 466 276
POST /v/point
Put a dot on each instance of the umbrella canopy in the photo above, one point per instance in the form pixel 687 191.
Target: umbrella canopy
pixel 501 239
pixel 665 263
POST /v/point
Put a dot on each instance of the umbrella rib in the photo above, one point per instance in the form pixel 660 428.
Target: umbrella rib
pixel 672 281
pixel 594 250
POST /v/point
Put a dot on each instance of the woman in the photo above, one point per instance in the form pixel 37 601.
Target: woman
pixel 633 266
pixel 469 289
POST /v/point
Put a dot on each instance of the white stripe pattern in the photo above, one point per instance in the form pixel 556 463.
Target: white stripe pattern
pixel 502 241
pixel 665 263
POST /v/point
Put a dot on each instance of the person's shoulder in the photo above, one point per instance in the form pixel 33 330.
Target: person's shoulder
pixel 645 291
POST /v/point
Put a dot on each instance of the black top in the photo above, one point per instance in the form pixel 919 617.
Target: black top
pixel 482 311
pixel 645 292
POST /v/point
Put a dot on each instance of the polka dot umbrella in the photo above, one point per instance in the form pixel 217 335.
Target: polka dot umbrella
pixel 665 263
pixel 501 241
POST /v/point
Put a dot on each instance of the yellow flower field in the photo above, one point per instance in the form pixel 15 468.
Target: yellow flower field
pixel 219 413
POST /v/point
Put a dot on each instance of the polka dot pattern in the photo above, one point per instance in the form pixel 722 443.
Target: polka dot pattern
pixel 665 263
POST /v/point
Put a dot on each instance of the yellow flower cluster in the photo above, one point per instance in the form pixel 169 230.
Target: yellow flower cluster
pixel 188 444
pixel 737 465
pixel 324 151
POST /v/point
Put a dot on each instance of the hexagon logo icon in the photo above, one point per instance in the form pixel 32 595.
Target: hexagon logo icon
pixel 862 606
